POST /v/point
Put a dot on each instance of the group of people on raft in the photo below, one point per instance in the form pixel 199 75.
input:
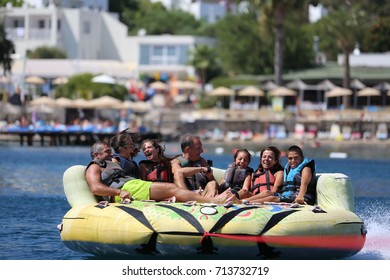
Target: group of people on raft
pixel 113 175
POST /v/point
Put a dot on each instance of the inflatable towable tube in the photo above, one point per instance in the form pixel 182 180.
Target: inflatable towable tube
pixel 330 230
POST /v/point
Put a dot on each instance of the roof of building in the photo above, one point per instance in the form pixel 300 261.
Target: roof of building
pixel 52 68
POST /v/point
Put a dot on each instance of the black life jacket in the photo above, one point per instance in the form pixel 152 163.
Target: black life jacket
pixel 197 180
pixel 112 174
pixel 234 177
pixel 130 167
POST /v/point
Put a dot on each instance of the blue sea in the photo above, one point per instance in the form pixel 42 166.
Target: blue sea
pixel 32 201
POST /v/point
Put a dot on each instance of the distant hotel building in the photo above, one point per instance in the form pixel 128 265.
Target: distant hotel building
pixel 86 32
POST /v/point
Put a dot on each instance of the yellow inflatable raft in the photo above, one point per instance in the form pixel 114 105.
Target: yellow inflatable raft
pixel 144 229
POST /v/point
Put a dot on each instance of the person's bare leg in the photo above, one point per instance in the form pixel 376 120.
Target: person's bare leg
pixel 260 195
pixel 271 198
pixel 162 191
pixel 211 189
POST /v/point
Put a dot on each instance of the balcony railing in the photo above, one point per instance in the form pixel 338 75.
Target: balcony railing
pixel 20 33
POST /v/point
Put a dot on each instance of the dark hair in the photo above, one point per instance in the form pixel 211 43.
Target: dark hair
pixel 275 151
pixel 123 138
pixel 188 141
pixel 296 149
pixel 161 149
pixel 242 150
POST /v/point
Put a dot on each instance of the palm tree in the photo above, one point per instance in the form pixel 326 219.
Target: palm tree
pixel 342 28
pixel 275 11
pixel 202 58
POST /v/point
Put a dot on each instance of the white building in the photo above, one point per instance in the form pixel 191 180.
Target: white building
pixel 90 34
pixel 207 10
pixel 92 4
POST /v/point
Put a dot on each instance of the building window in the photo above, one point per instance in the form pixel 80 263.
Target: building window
pixel 144 55
pixel 163 55
pixel 41 24
pixel 86 27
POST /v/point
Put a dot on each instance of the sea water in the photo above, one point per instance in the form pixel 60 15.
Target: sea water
pixel 32 201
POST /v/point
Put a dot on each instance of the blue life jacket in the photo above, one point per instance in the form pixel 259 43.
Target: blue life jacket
pixel 293 176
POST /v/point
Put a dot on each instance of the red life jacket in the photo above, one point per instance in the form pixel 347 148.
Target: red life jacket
pixel 157 171
pixel 262 180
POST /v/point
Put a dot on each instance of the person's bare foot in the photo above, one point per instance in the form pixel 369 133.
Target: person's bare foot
pixel 224 197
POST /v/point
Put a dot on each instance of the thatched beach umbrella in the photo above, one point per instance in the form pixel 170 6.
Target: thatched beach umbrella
pixel 105 102
pixel 35 80
pixel 282 91
pixel 368 92
pixel 337 92
pixel 43 101
pixel 252 91
pixel 158 86
pixel 60 80
pixel 64 102
pixel 222 91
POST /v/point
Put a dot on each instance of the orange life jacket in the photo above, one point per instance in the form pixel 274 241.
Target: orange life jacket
pixel 262 180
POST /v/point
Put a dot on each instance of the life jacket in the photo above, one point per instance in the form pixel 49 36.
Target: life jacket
pixel 197 180
pixel 157 171
pixel 264 179
pixel 130 167
pixel 234 177
pixel 112 174
pixel 293 176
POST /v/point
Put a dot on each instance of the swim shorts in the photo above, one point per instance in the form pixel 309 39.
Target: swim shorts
pixel 287 196
pixel 290 196
pixel 138 189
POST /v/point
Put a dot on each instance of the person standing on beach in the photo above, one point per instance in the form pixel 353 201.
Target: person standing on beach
pixel 125 150
pixel 190 167
pixel 106 179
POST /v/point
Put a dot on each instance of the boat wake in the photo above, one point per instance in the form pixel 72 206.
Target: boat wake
pixel 377 246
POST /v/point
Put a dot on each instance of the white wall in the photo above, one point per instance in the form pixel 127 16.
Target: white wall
pixel 367 60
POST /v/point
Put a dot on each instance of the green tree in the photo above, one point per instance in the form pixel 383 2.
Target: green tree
pixel 203 59
pixel 376 39
pixel 273 13
pixel 343 28
pixel 15 3
pixel 240 47
pixel 81 86
pixel 46 52
pixel 7 48
pixel 155 19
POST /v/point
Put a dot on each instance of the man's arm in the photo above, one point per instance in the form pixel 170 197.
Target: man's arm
pixel 305 180
pixel 92 175
pixel 187 171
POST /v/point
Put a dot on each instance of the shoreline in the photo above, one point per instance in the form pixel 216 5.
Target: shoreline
pixel 372 148
pixel 368 149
